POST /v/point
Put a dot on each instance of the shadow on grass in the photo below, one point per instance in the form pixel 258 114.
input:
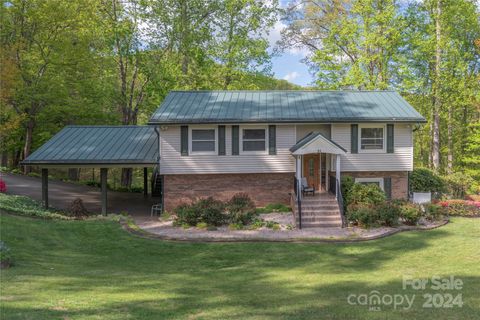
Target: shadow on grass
pixel 86 269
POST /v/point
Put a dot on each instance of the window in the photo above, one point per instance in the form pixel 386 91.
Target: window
pixel 254 140
pixel 371 139
pixel 376 181
pixel 203 140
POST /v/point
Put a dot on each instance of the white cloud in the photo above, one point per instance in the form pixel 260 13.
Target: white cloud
pixel 291 76
pixel 276 34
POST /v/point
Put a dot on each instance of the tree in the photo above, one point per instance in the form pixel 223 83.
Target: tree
pixel 44 41
pixel 353 44
pixel 241 43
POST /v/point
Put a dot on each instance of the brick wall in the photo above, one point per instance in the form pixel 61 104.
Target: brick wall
pixel 399 180
pixel 264 188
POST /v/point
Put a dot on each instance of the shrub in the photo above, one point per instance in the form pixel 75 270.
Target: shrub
pixel 461 207
pixel 362 215
pixel 388 213
pixel 347 183
pixel 3 186
pixel 241 209
pixel 410 213
pixel 187 214
pixel 458 183
pixel 434 212
pixel 6 259
pixel 425 180
pixel 211 211
pixel 77 209
pixel 365 194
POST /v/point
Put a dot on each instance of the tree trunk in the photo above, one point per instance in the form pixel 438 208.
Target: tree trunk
pixel 73 174
pixel 127 175
pixel 450 141
pixel 437 101
pixel 28 143
pixel 4 159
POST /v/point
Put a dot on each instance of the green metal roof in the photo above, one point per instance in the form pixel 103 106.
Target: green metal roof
pixel 184 107
pixel 311 136
pixel 103 145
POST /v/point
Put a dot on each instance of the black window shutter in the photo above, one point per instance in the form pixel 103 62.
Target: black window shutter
pixel 221 140
pixel 272 140
pixel 235 141
pixel 184 140
pixel 390 138
pixel 354 138
pixel 387 186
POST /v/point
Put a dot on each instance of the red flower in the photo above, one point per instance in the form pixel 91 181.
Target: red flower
pixel 3 186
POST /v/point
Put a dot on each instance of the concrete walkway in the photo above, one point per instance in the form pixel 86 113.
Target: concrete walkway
pixel 61 194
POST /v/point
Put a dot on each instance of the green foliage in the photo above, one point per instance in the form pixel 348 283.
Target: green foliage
pixel 202 226
pixel 235 226
pixel 458 184
pixel 274 207
pixel 434 212
pixel 346 184
pixel 208 210
pixel 410 213
pixel 363 215
pixel 211 211
pixel 241 209
pixel 25 206
pixel 368 194
pixel 425 180
pixel 388 213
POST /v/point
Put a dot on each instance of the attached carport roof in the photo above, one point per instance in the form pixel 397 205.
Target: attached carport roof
pixel 101 146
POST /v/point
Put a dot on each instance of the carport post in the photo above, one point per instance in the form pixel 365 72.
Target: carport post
pixel 103 184
pixel 45 187
pixel 145 182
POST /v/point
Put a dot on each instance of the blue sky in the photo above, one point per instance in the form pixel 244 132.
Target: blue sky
pixel 288 65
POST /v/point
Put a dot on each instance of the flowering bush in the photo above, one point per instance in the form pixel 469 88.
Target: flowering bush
pixel 458 207
pixel 3 186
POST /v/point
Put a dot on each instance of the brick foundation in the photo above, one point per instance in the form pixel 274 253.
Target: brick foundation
pixel 264 188
pixel 399 180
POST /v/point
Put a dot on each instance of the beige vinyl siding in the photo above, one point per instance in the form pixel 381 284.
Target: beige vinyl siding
pixel 400 160
pixel 173 163
pixel 304 129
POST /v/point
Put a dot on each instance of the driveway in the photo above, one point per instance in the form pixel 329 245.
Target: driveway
pixel 61 194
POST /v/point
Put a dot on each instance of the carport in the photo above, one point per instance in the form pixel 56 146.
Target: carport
pixel 101 147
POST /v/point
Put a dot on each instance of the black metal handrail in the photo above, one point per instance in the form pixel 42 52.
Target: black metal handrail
pixel 340 203
pixel 298 196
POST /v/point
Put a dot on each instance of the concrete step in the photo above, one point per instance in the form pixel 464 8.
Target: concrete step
pixel 321 225
pixel 320 213
pixel 321 220
pixel 320 208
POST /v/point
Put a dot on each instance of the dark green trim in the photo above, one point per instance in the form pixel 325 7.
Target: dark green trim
pixel 221 140
pixel 354 138
pixel 235 140
pixel 387 186
pixel 272 140
pixel 390 138
pixel 184 140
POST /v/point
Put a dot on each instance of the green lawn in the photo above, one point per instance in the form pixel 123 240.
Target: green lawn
pixel 95 270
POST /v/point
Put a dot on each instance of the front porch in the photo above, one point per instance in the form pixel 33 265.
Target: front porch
pixel 316 157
